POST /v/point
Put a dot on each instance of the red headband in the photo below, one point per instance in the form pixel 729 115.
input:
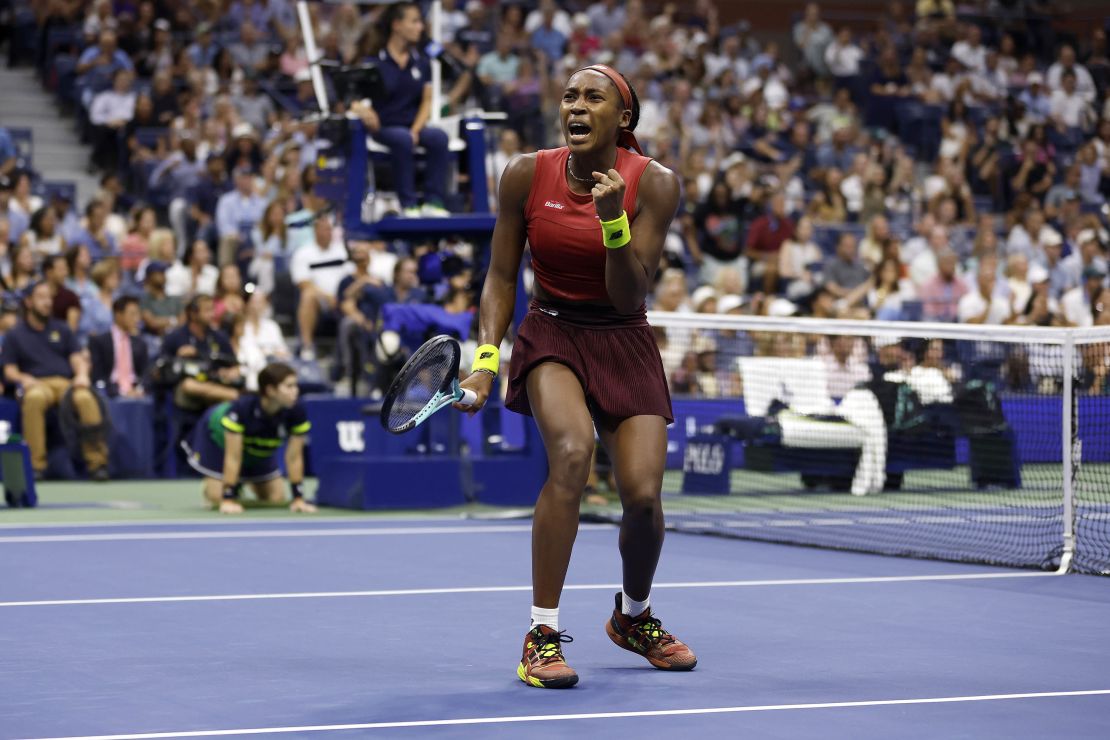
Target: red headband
pixel 626 137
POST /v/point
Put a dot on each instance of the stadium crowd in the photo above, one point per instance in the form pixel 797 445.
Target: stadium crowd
pixel 941 163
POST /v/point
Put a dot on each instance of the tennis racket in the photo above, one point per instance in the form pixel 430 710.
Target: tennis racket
pixel 428 382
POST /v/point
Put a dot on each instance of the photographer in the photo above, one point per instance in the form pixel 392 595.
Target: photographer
pixel 200 360
pixel 238 442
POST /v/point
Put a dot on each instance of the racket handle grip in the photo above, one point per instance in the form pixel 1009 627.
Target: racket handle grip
pixel 468 397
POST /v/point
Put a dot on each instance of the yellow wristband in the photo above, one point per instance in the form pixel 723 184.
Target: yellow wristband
pixel 616 233
pixel 488 358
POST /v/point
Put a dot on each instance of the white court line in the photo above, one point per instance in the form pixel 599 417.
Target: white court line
pixel 507 589
pixel 592 715
pixel 269 533
pixel 224 521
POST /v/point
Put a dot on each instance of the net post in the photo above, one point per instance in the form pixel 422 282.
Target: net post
pixel 1069 438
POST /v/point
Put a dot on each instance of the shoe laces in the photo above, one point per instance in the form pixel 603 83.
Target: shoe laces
pixel 548 647
pixel 652 629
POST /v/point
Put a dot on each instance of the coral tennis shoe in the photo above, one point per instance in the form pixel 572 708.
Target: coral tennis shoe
pixel 644 635
pixel 542 664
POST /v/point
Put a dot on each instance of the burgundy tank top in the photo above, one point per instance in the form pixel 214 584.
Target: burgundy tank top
pixel 568 257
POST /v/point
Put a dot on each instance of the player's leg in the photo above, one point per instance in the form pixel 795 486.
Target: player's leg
pixel 637 447
pixel 559 407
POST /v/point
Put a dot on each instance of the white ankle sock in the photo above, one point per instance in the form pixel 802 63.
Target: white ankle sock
pixel 549 617
pixel 633 608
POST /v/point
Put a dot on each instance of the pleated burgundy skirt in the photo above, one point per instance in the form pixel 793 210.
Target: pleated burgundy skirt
pixel 614 357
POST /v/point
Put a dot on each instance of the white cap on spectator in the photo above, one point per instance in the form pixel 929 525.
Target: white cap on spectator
pixel 1051 238
pixel 475 6
pixel 581 19
pixel 303 75
pixel 1037 273
pixel 781 307
pixel 1034 78
pixel 729 302
pixel 1087 235
pixel 701 295
pixel 242 130
pixel 881 342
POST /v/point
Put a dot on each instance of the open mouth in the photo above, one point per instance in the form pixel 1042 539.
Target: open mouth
pixel 577 131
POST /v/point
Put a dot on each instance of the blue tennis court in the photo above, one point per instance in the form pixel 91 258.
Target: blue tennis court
pixel 412 628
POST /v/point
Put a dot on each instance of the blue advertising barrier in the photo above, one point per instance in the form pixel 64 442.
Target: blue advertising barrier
pixel 1036 421
pixel 444 462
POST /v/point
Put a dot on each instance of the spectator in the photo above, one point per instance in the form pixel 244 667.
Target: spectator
pixel 846 277
pixel 46 237
pixel 158 57
pixel 219 377
pixel 177 176
pixel 985 304
pixel 119 355
pixel 1079 303
pixel 79 262
pixel 716 236
pixel 136 244
pixel 765 238
pixel 1084 83
pixel 813 36
pixel 21 270
pixel 1036 99
pixel 42 356
pixel 254 106
pixel 270 247
pixel 94 232
pixel 194 274
pixel 96 309
pixel 8 155
pixel 845 360
pixel 18 220
pixel 250 52
pixel 399 115
pixel 889 291
pixel 970 50
pixel 98 64
pixel 66 306
pixel 406 282
pixel 229 295
pixel 161 313
pixel 798 258
pixel 843 56
pixel 940 294
pixel 202 52
pixel 1070 110
pixel 261 340
pixel 237 213
pixel 22 200
pixel 109 113
pixel 316 270
pixel 496 70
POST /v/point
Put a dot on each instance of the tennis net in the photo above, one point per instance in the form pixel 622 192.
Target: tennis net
pixel 955 442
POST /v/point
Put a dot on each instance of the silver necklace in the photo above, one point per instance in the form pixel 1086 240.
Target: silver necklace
pixel 591 182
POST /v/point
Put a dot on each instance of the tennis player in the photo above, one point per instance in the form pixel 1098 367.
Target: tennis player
pixel 595 215
pixel 238 442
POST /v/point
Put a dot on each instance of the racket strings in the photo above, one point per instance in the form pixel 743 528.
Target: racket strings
pixel 421 386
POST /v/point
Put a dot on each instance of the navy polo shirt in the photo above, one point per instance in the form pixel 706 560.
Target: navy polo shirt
pixel 402 88
pixel 214 342
pixel 42 354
